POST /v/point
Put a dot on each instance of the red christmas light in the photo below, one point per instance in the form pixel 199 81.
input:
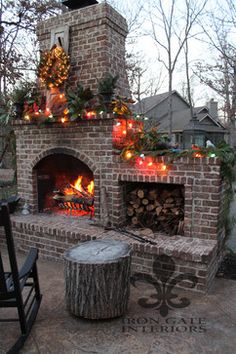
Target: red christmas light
pixel 90 114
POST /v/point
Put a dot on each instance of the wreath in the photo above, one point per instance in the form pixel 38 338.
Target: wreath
pixel 53 67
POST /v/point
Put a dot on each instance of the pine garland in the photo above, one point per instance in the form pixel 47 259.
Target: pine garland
pixel 53 67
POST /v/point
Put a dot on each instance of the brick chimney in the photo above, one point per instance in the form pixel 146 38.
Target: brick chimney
pixel 94 37
pixel 213 108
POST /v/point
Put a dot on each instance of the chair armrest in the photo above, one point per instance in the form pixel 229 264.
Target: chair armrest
pixel 29 262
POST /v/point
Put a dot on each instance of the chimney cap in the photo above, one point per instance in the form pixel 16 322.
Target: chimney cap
pixel 78 4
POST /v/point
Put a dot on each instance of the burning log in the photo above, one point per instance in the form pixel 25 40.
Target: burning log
pixel 82 191
pixel 161 209
pixel 75 197
pixel 74 202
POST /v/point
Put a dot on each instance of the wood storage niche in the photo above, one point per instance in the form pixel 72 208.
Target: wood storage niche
pixel 97 276
pixel 158 206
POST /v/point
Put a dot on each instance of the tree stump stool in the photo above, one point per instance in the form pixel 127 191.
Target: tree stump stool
pixel 97 276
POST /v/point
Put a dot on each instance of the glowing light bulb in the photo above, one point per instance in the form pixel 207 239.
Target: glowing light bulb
pixel 63 119
pixel 91 114
pixel 124 132
pixel 150 163
pixel 128 155
pixel 198 155
pixel 130 125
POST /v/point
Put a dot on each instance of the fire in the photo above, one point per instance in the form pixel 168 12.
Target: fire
pixel 79 187
pixel 90 187
pixel 78 184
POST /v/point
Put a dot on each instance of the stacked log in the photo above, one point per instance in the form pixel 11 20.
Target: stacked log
pixel 161 209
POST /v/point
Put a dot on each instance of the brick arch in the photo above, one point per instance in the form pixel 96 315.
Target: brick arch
pixel 66 151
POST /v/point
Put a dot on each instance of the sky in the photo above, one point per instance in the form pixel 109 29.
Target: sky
pixel 140 41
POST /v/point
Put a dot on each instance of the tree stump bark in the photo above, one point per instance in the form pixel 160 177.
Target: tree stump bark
pixel 97 276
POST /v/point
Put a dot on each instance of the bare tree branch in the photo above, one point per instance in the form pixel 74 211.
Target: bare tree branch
pixel 175 27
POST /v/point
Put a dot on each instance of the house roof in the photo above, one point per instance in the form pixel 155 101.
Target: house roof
pixel 148 103
pixel 181 118
pixel 202 109
pixel 204 116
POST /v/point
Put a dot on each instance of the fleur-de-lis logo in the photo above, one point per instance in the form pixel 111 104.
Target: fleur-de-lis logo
pixel 164 283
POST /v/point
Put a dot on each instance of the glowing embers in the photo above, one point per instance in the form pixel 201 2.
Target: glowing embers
pixel 75 198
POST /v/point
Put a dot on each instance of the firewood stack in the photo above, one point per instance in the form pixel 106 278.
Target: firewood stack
pixel 161 209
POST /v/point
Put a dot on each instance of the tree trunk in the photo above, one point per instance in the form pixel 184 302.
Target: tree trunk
pixel 97 275
pixel 170 105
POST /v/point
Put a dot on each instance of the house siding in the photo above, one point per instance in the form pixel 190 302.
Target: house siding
pixel 159 112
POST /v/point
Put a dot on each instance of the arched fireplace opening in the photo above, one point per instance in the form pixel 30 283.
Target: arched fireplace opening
pixel 65 185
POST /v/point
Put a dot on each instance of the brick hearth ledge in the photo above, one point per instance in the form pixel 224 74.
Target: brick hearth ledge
pixel 54 235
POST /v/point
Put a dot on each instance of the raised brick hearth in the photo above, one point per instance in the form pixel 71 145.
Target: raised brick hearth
pixel 54 235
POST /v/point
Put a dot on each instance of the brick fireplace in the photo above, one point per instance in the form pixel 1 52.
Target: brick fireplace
pixel 197 250
pixel 96 45
pixel 90 144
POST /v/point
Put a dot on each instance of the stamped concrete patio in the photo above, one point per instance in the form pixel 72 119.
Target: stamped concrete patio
pixel 207 325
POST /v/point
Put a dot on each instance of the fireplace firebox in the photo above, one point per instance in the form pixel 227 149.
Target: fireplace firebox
pixel 65 185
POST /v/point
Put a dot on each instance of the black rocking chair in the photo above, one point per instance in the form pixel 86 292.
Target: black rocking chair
pixel 19 289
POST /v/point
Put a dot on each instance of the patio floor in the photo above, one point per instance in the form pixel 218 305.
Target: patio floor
pixel 207 325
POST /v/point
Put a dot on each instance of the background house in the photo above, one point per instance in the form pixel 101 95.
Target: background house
pixel 205 124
